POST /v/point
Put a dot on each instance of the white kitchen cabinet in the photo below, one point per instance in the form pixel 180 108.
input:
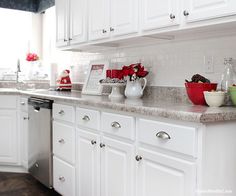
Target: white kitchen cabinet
pixel 71 22
pixel 197 10
pixel 159 174
pixel 24 119
pixel 108 18
pixel 88 164
pixel 117 168
pixel 9 137
pixel 158 14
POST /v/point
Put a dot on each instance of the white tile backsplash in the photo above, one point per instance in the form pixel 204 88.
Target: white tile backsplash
pixel 169 63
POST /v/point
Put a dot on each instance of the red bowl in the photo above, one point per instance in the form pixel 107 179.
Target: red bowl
pixel 195 91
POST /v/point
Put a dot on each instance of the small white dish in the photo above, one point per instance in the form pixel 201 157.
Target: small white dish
pixel 214 98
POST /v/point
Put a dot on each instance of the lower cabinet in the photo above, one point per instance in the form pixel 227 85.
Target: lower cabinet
pixel 159 174
pixel 63 177
pixel 8 137
pixel 105 166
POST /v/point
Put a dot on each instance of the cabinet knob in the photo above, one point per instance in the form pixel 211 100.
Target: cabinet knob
pixel 138 158
pixel 22 103
pixel 36 165
pixel 186 13
pixel 163 135
pixel 61 141
pixel 104 31
pixel 102 145
pixel 26 118
pixel 93 142
pixel 115 125
pixel 86 118
pixel 62 179
pixel 112 29
pixel 65 40
pixel 172 16
pixel 70 39
pixel 61 112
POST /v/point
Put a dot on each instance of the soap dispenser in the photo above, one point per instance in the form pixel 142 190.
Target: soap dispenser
pixel 228 76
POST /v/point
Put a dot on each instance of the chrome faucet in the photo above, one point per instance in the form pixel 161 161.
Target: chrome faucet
pixel 18 70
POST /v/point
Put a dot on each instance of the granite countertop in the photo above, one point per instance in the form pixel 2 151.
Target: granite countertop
pixel 176 111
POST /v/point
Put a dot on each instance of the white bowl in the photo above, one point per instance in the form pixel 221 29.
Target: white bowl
pixel 214 98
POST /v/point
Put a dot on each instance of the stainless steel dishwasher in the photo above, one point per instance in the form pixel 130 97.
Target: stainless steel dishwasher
pixel 40 140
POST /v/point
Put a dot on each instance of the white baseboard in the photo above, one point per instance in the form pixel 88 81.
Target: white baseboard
pixel 15 169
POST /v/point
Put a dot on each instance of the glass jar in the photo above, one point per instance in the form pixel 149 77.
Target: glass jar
pixel 228 76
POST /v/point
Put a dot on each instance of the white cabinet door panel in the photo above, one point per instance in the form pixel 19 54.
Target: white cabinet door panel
pixel 209 9
pixel 117 168
pixel 88 164
pixel 124 17
pixel 162 175
pixel 156 13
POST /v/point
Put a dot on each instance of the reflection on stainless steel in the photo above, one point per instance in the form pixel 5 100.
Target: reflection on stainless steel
pixel 40 140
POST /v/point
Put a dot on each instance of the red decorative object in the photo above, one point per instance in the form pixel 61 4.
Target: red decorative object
pixel 108 73
pixel 195 91
pixel 32 57
pixel 116 73
pixel 134 71
pixel 64 82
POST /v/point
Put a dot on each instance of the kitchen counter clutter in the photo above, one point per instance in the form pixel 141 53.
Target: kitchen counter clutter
pixel 176 111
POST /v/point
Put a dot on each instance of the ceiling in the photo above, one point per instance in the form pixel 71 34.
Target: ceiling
pixel 27 5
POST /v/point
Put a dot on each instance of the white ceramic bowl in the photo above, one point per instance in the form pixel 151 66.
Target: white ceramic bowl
pixel 214 98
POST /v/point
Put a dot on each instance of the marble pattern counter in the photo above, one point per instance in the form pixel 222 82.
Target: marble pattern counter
pixel 147 107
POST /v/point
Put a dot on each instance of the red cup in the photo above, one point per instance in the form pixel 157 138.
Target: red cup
pixel 108 73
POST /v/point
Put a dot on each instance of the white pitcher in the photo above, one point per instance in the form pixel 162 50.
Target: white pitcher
pixel 134 89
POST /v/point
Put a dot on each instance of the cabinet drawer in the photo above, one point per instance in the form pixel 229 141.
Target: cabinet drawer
pixel 64 142
pixel 64 112
pixel 168 136
pixel 7 101
pixel 88 118
pixel 63 177
pixel 24 104
pixel 119 125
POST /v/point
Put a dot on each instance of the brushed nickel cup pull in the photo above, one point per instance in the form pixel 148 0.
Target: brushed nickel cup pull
pixel 61 112
pixel 102 145
pixel 26 118
pixel 65 40
pixel 112 29
pixel 62 179
pixel 115 125
pixel 22 103
pixel 163 135
pixel 86 118
pixel 93 142
pixel 172 16
pixel 186 13
pixel 104 31
pixel 138 158
pixel 61 141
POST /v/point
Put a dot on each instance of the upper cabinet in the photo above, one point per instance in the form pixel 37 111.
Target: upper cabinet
pixel 71 24
pixel 113 18
pixel 158 13
pixel 197 10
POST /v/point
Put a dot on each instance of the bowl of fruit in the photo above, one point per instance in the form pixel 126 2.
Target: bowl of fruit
pixel 196 87
pixel 232 92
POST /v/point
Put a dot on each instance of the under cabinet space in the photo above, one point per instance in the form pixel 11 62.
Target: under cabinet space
pixel 172 137
pixel 64 142
pixel 118 125
pixel 88 118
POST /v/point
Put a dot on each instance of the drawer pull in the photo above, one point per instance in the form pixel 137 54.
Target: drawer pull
pixel 102 145
pixel 22 103
pixel 163 135
pixel 93 142
pixel 61 141
pixel 61 112
pixel 26 118
pixel 86 118
pixel 115 125
pixel 62 179
pixel 138 158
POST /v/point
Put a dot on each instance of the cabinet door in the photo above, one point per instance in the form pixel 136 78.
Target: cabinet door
pixel 208 9
pixel 88 164
pixel 9 143
pixel 162 175
pixel 24 138
pixel 117 168
pixel 61 22
pixel 124 17
pixel 158 13
pixel 78 27
pixel 99 19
